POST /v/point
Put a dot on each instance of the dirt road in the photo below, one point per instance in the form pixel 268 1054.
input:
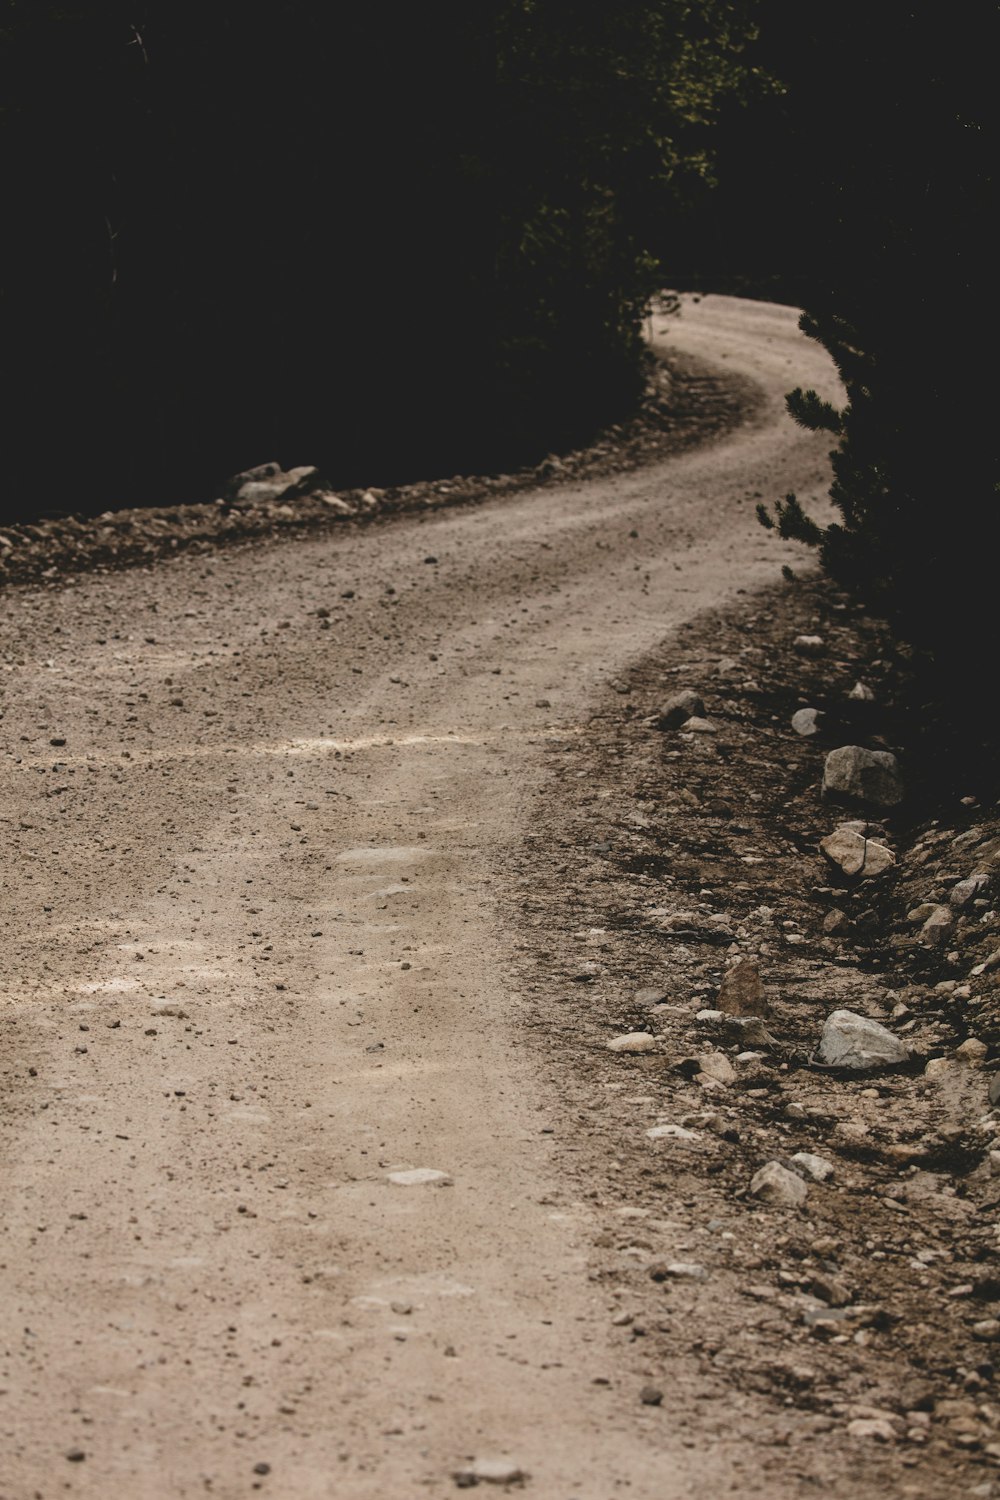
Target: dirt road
pixel 256 988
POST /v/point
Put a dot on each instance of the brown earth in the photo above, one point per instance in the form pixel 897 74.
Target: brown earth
pixel 308 842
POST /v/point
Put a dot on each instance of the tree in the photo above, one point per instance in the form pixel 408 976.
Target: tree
pixel 604 123
pixel 903 299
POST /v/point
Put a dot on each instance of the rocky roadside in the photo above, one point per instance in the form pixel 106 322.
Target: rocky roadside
pixel 771 1010
pixel 685 404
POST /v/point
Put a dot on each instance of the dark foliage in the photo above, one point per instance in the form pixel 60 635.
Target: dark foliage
pixel 894 123
pixel 606 117
pixel 389 240
pixel 238 234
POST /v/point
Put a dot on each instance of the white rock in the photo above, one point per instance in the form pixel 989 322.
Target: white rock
pixel 686 1270
pixel 418 1176
pixel 816 1167
pixel 852 1041
pixel 809 645
pixel 854 774
pixel 962 893
pixel 972 1051
pixel 805 721
pixel 632 1041
pixel 776 1184
pixel 490 1471
pixel 716 1065
pixel 697 725
pixel 855 854
pixel 861 693
pixel 671 1133
pixel 711 1017
pixel 938 1067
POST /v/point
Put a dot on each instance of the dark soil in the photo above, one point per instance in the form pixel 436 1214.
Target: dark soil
pixel 877 1302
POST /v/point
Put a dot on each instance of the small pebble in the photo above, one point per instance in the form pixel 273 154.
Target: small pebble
pixel 418 1176
pixel 489 1471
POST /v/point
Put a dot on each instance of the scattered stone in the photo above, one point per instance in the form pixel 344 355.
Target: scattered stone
pixel 742 992
pixel 809 645
pixel 686 1270
pixel 855 854
pixel 852 1041
pixel 860 693
pixel 75 1455
pixel 805 721
pixel 966 890
pixel 877 1429
pixel 632 1041
pixel 418 1177
pixel 671 1133
pixel 816 1167
pixel 853 774
pixel 939 925
pixel 995 1089
pixel 836 922
pixel 833 1290
pixel 232 486
pixel 972 1051
pixel 697 725
pixel 169 1008
pixel 827 1317
pixel 776 1184
pixel 938 1067
pixel 650 996
pixel 489 1471
pixel 717 1067
pixel 268 483
pixel 651 1395
pixel 987 1330
pixel 678 709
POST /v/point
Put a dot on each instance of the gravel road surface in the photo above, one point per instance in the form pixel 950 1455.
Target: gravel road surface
pixel 276 1172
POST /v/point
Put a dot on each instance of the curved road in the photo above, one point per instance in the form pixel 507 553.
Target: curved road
pixel 255 977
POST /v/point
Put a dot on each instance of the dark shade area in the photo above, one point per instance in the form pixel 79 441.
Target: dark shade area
pixel 392 241
pixel 239 234
pixel 883 148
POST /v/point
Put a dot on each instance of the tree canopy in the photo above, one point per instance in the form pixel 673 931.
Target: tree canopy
pixel 389 240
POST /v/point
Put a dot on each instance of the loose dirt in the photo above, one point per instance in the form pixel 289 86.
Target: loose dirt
pixel 298 1199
